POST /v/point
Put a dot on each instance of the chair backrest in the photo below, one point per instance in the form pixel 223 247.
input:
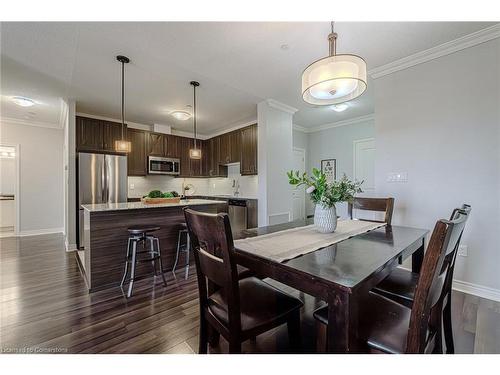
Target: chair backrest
pixel 213 248
pixel 431 281
pixel 373 204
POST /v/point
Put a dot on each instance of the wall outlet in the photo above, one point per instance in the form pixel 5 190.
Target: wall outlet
pixel 397 177
pixel 132 186
pixel 462 250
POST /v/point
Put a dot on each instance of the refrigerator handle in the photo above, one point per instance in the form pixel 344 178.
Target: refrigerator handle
pixel 103 181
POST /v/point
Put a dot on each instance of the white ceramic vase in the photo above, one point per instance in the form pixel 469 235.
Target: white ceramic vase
pixel 325 219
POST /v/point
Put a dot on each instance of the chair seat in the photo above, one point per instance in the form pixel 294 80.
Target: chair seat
pixel 261 304
pixel 243 272
pixel 142 229
pixel 384 325
pixel 399 286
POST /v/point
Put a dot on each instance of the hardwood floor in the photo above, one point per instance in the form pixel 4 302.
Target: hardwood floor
pixel 46 309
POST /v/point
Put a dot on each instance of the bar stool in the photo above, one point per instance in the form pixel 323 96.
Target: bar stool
pixel 186 248
pixel 139 234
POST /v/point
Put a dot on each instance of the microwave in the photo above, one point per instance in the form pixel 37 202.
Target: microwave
pixel 158 165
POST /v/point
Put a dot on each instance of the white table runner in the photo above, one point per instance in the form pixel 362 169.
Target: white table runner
pixel 291 243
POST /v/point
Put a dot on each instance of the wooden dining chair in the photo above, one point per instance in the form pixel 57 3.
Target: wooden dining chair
pixel 401 284
pixel 373 204
pixel 386 326
pixel 237 309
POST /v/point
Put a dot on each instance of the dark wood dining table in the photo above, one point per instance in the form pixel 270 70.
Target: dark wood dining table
pixel 340 274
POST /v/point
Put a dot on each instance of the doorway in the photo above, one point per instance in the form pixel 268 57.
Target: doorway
pixel 298 193
pixel 9 197
pixel 364 170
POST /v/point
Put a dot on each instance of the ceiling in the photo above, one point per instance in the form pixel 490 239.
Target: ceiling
pixel 238 65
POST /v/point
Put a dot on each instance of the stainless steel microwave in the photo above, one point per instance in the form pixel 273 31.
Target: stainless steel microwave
pixel 159 165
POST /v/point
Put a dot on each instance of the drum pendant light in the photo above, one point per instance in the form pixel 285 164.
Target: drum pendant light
pixel 194 153
pixel 123 145
pixel 334 79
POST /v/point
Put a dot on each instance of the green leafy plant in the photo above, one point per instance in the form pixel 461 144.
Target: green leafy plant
pixel 155 194
pixel 324 193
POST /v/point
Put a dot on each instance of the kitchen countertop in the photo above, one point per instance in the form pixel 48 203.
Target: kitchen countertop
pixel 139 205
pixel 227 196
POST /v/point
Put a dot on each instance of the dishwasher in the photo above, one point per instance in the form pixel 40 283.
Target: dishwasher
pixel 237 214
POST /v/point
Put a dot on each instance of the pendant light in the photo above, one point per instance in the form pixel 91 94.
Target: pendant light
pixel 334 79
pixel 194 153
pixel 122 145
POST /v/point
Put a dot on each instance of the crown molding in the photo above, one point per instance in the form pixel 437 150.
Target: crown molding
pixel 441 50
pixel 281 106
pixel 300 128
pixel 40 124
pixel 351 121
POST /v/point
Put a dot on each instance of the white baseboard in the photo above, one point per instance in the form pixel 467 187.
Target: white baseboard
pixel 70 246
pixel 474 289
pixel 38 232
pixel 477 290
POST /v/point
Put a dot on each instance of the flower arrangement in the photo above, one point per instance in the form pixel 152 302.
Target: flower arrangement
pixel 324 193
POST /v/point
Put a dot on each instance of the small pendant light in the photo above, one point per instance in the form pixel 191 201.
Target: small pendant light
pixel 123 145
pixel 194 153
pixel 334 79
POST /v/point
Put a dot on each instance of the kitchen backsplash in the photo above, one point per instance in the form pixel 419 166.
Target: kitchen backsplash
pixel 248 185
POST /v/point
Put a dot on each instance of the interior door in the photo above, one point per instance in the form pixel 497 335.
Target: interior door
pixel 364 164
pixel 298 193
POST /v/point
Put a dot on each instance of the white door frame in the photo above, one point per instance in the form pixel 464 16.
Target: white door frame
pixel 303 151
pixel 354 143
pixel 17 148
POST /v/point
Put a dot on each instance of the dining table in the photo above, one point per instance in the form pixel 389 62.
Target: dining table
pixel 341 274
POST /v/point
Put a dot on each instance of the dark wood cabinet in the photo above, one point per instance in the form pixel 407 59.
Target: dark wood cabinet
pixel 214 168
pixel 94 135
pixel 112 131
pixel 137 160
pixel 196 165
pixel 235 146
pixel 89 134
pixel 224 148
pixel 155 144
pixel 170 146
pixel 248 160
pixel 184 146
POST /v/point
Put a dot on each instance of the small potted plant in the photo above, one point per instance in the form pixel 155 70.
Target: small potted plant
pixel 325 195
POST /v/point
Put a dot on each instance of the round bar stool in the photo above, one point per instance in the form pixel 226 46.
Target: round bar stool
pixel 186 248
pixel 140 234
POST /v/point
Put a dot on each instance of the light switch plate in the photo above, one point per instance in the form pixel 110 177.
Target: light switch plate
pixel 462 250
pixel 132 186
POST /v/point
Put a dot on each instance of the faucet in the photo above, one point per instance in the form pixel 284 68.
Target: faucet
pixel 236 185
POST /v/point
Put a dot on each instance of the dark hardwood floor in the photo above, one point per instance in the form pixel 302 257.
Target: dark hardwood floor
pixel 46 309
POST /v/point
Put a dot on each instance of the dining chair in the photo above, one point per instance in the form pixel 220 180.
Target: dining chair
pixel 372 204
pixel 400 285
pixel 237 309
pixel 386 326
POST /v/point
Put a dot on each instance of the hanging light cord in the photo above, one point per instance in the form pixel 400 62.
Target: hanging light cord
pixel 194 110
pixel 333 40
pixel 123 95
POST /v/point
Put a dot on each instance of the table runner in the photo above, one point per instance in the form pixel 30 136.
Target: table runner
pixel 291 243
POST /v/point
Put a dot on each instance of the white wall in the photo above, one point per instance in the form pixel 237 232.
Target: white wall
pixel 274 159
pixel 440 123
pixel 41 176
pixel 336 143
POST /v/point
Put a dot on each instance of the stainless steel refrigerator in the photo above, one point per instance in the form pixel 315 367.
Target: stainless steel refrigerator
pixel 101 179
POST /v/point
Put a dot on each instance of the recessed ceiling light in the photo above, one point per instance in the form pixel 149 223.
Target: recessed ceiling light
pixel 22 101
pixel 339 107
pixel 181 115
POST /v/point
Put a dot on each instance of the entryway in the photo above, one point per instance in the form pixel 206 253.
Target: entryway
pixel 8 188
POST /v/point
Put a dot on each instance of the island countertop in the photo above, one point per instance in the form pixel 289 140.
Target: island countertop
pixel 139 205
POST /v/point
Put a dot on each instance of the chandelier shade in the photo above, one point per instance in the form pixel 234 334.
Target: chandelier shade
pixel 334 79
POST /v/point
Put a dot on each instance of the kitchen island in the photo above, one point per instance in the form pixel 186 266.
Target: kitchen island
pixel 105 236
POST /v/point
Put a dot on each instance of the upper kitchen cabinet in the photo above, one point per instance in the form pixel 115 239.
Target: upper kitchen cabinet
pixel 170 146
pixel 184 145
pixel 96 135
pixel 156 144
pixel 248 164
pixel 229 151
pixel 213 168
pixel 137 160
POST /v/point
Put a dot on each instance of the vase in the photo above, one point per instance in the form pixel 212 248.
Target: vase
pixel 325 219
